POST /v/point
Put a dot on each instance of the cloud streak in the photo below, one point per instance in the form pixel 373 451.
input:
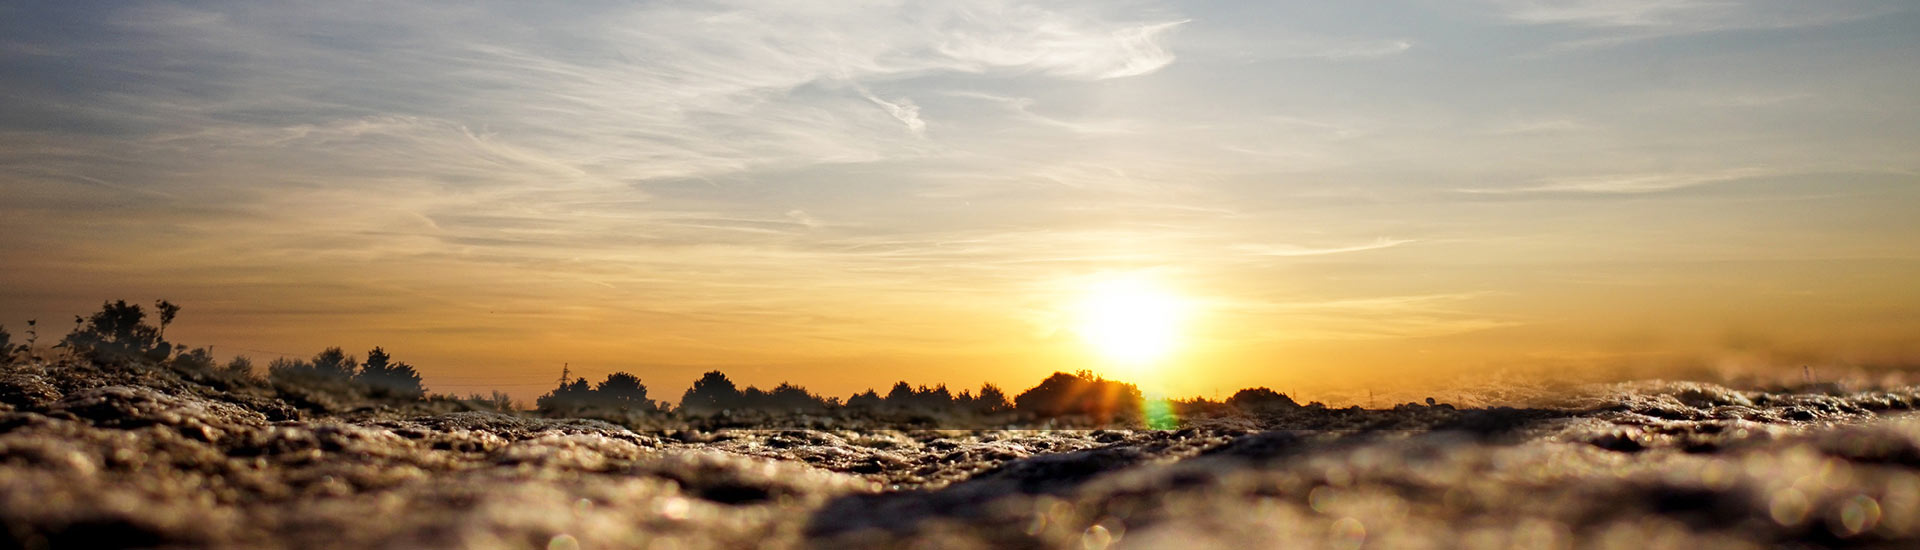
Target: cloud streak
pixel 1286 251
pixel 1616 22
pixel 694 182
pixel 1625 183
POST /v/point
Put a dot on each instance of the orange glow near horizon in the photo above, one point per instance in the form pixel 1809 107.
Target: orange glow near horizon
pixel 1193 197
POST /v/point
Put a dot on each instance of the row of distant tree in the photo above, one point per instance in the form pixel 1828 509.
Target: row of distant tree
pixel 1079 394
pixel 119 333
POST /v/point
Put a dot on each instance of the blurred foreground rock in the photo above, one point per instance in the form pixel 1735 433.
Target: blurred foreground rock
pixel 92 458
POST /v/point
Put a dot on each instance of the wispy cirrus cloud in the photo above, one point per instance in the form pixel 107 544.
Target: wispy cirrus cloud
pixel 1296 250
pixel 1625 183
pixel 730 175
pixel 1613 22
pixel 903 110
pixel 1685 15
pixel 1344 49
pixel 1044 41
pixel 1375 318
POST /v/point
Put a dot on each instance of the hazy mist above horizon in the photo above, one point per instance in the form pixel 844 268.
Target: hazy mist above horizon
pixel 845 194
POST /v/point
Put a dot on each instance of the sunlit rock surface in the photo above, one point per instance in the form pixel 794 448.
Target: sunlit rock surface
pixel 93 458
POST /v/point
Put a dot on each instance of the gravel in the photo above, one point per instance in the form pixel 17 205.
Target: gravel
pixel 92 457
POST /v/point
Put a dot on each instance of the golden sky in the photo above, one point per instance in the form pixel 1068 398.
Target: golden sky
pixel 843 195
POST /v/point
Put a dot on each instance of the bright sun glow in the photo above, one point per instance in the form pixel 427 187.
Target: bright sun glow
pixel 1130 321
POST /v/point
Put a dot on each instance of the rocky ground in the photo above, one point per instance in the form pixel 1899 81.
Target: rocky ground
pixel 98 458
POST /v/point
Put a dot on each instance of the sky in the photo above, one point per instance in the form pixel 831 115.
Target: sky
pixel 843 194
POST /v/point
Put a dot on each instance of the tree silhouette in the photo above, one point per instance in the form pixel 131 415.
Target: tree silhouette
pixel 117 333
pixel 572 395
pixel 791 398
pixel 991 400
pixel 713 392
pixel 901 397
pixel 1081 394
pixel 7 349
pixel 752 398
pixel 167 312
pixel 384 376
pixel 622 391
pixel 936 399
pixel 866 401
pixel 334 364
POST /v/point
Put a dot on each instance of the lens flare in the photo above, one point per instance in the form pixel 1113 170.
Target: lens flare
pixel 1160 414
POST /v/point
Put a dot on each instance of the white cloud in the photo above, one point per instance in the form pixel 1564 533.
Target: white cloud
pixel 1626 183
pixel 904 110
pixel 1350 49
pixel 1288 250
pixel 1615 22
pixel 1611 13
pixel 1032 39
pixel 709 158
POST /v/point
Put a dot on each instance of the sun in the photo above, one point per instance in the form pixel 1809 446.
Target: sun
pixel 1130 321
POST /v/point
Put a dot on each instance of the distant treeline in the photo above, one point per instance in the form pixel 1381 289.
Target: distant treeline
pixel 1062 394
pixel 120 334
pixel 1082 394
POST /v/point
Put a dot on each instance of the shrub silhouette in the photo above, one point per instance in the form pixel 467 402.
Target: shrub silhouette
pixel 282 369
pixel 240 367
pixel 713 392
pixel 10 351
pixel 385 377
pixel 499 401
pixel 331 366
pixel 1199 407
pixel 1261 399
pixel 118 333
pixel 198 359
pixel 1080 394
